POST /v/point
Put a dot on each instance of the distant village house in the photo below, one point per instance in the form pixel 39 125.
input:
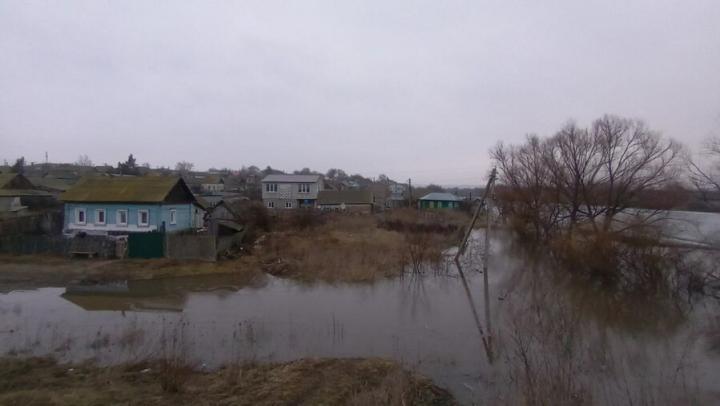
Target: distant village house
pixel 291 191
pixel 355 201
pixel 439 201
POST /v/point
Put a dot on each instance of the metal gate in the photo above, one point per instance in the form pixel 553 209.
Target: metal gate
pixel 146 245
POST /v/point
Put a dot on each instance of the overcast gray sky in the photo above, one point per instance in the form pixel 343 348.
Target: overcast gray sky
pixel 417 89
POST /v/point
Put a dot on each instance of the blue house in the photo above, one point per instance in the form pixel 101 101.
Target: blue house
pixel 121 205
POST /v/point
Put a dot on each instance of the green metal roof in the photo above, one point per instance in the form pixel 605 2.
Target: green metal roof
pixel 145 189
pixel 443 197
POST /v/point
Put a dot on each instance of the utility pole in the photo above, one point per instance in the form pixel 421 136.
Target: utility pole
pixel 410 192
pixel 481 205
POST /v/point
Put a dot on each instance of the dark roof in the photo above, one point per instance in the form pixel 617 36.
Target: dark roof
pixel 145 189
pixel 22 192
pixel 345 196
pixel 292 178
pixel 14 181
pixel 443 197
pixel 49 183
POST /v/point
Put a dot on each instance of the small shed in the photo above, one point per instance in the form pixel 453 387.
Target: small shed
pixel 17 194
pixel 439 201
pixel 355 201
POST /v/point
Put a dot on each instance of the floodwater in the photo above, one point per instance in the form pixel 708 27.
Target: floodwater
pixel 483 347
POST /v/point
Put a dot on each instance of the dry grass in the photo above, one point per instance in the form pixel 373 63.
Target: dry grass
pixel 308 246
pixel 344 248
pixel 303 382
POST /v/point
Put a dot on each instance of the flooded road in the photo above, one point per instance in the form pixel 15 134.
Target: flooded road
pixel 609 349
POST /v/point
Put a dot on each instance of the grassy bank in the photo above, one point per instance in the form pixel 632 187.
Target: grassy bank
pixel 34 270
pixel 359 248
pixel 308 247
pixel 303 382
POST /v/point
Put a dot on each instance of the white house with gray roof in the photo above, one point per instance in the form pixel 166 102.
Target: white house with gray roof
pixel 291 191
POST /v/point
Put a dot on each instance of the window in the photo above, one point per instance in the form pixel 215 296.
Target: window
pixel 80 216
pixel 143 218
pixel 173 214
pixel 121 218
pixel 288 205
pixel 304 188
pixel 271 205
pixel 100 216
pixel 271 187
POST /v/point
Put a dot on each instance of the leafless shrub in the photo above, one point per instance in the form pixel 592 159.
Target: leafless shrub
pixel 174 367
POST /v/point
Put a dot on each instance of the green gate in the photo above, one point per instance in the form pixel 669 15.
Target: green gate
pixel 146 245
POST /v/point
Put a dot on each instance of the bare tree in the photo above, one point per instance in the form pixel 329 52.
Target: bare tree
pixel 524 172
pixel 84 160
pixel 573 160
pixel 706 175
pixel 580 175
pixel 634 159
pixel 18 166
pixel 184 166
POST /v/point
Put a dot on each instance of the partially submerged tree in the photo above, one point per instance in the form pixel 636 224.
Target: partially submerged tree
pixel 634 159
pixel 705 175
pixel 583 175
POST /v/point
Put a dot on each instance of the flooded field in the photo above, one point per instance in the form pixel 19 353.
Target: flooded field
pixel 533 331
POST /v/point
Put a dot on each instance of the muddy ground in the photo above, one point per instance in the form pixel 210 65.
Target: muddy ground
pixel 304 382
pixel 27 271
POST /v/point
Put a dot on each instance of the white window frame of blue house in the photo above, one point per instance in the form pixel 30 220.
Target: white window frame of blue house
pixel 303 188
pixel 146 223
pixel 173 216
pixel 99 212
pixel 78 211
pixel 288 205
pixel 271 205
pixel 271 187
pixel 118 218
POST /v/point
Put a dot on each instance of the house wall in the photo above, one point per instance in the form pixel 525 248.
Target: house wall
pixel 438 204
pixel 186 217
pixel 288 191
pixel 280 203
pixel 212 187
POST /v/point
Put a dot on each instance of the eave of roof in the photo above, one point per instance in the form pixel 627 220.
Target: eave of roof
pixel 291 178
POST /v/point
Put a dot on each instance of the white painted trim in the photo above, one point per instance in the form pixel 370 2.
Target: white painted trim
pixel 78 210
pixel 119 223
pixel 110 227
pixel 139 218
pixel 269 186
pixel 173 216
pixel 97 215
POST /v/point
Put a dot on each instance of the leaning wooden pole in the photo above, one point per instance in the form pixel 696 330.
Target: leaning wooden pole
pixel 488 187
